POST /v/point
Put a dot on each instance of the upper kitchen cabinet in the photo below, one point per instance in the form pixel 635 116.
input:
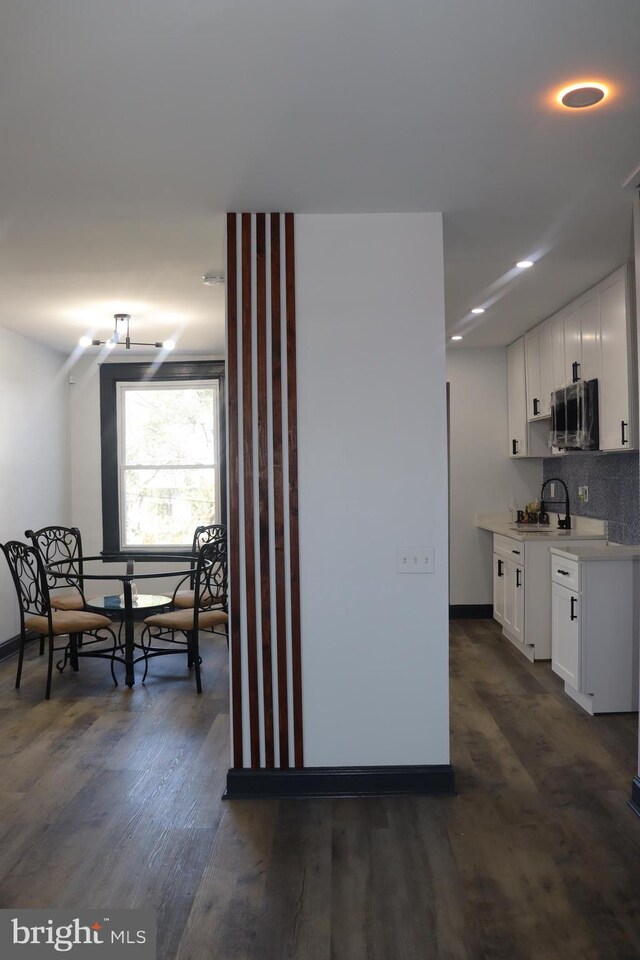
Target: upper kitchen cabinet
pixel 572 345
pixel 575 336
pixel 618 350
pixel 525 439
pixel 539 372
pixel 517 399
pixel 556 325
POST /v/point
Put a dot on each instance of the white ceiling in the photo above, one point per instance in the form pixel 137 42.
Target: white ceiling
pixel 127 129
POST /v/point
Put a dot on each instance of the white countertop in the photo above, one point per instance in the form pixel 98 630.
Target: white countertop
pixel 583 528
pixel 598 551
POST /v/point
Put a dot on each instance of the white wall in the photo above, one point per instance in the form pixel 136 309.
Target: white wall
pixel 33 451
pixel 482 476
pixel 372 477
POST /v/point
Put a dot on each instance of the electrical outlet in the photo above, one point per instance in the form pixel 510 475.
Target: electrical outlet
pixel 552 489
pixel 415 559
pixel 583 494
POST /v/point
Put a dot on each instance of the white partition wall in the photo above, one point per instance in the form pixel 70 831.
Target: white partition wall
pixel 372 478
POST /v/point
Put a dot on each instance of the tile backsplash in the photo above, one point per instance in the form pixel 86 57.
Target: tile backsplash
pixel 614 489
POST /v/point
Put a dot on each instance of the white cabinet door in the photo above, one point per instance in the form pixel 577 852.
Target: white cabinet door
pixel 517 587
pixel 546 370
pixel 517 399
pixel 615 420
pixel 498 588
pixel 565 634
pixel 590 337
pixel 572 344
pixel 532 363
pixel 557 353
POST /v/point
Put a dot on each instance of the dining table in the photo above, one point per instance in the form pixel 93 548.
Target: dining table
pixel 128 606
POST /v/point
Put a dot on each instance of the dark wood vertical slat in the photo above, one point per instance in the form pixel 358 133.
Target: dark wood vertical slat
pixel 234 488
pixel 263 488
pixel 249 519
pixel 294 550
pixel 278 494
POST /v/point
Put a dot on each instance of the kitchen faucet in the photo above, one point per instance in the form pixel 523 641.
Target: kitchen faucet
pixel 562 524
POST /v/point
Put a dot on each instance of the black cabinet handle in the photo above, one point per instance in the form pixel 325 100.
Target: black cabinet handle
pixel 565 573
pixel 518 575
pixel 516 551
pixel 574 616
pixel 500 565
pixel 536 407
pixel 514 447
pixel 575 368
pixel 623 424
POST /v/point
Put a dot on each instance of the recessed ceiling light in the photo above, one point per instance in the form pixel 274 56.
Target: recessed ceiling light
pixel 583 94
pixel 213 279
pixel 477 310
pixel 524 264
pixel 457 337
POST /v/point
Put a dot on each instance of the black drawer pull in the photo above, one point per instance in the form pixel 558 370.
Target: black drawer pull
pixel 536 406
pixel 574 616
pixel 565 573
pixel 500 565
pixel 514 447
pixel 516 551
pixel 518 581
pixel 623 424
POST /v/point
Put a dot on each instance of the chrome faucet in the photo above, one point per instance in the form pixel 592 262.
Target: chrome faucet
pixel 562 524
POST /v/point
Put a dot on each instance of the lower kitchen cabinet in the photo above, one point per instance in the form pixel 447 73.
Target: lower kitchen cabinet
pixel 594 643
pixel 520 572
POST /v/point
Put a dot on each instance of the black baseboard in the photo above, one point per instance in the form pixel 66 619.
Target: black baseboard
pixel 471 611
pixel 436 780
pixel 12 645
pixel 634 802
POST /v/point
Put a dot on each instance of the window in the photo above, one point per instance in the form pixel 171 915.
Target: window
pixel 163 468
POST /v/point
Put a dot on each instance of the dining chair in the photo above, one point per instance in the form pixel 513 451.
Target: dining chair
pixel 210 580
pixel 37 614
pixel 57 544
pixel 183 597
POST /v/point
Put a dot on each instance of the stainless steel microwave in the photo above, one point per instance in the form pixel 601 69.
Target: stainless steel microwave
pixel 574 416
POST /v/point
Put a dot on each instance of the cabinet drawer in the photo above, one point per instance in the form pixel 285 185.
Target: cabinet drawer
pixel 565 572
pixel 508 547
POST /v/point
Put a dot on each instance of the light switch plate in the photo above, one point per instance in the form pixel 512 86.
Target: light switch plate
pixel 583 494
pixel 415 559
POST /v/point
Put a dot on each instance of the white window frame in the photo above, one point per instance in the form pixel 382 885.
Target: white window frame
pixel 123 387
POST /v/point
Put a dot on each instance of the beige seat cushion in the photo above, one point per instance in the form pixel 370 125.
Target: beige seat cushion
pixel 67 601
pixel 183 619
pixel 68 621
pixel 184 600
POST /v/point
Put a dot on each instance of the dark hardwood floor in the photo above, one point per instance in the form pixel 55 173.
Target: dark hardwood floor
pixel 111 798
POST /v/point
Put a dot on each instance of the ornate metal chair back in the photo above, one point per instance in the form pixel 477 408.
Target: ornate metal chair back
pixel 57 544
pixel 202 536
pixel 211 572
pixel 29 577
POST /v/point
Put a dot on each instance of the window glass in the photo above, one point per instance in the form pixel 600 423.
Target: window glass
pixel 168 463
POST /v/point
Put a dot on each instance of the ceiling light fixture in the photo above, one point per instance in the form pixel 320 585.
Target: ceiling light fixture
pixel 121 337
pixel 584 94
pixel 457 337
pixel 213 279
pixel 524 264
pixel 477 310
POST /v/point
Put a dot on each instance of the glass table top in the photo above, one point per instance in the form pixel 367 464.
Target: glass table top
pixel 143 601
